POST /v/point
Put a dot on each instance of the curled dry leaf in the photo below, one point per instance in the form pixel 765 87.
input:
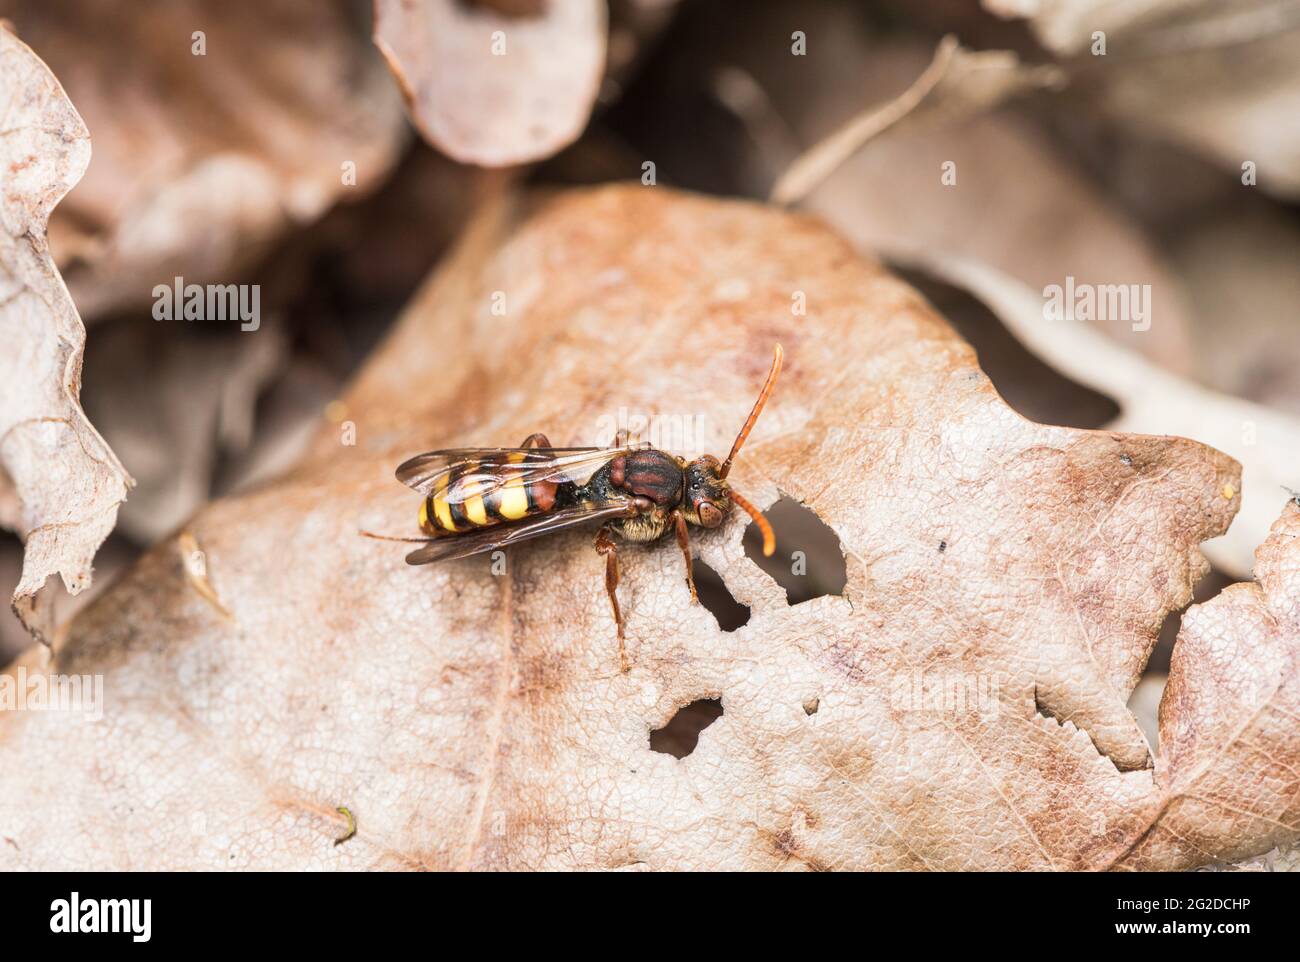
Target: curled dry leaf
pixel 1281 859
pixel 957 83
pixel 1071 26
pixel 995 229
pixel 494 89
pixel 1152 400
pixel 1067 26
pixel 467 719
pixel 60 484
pixel 1220 78
pixel 172 406
pixel 954 177
pixel 1241 265
pixel 959 180
pixel 1228 719
pixel 250 112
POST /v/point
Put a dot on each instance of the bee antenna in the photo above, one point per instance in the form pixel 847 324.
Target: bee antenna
pixel 764 526
pixel 778 356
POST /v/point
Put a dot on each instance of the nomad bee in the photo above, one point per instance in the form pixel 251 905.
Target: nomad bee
pixel 483 499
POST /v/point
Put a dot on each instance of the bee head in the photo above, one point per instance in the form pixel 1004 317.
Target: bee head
pixel 707 497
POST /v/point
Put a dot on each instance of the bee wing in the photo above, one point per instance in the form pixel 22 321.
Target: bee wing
pixel 490 468
pixel 449 547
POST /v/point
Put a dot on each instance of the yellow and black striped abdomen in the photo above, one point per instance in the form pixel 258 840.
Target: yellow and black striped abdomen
pixel 483 493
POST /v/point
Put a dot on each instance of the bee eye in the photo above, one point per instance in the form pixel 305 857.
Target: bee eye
pixel 710 514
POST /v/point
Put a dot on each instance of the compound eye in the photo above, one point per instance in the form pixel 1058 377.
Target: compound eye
pixel 710 514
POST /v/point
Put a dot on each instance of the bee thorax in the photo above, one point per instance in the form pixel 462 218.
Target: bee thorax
pixel 648 474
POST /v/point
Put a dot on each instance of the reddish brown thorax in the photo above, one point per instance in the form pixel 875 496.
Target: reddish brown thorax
pixel 648 474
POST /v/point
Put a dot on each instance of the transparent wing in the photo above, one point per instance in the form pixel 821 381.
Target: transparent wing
pixel 449 547
pixel 479 471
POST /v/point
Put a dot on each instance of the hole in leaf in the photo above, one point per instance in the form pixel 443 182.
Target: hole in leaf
pixel 1144 702
pixel 1205 589
pixel 13 636
pixel 808 561
pixel 682 733
pixel 715 596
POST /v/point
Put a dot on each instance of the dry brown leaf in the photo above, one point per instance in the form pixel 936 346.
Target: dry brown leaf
pixel 1069 26
pixel 60 484
pixel 1239 267
pixel 1018 204
pixel 244 141
pixel 998 231
pixel 1281 859
pixel 1228 718
pixel 1219 78
pixel 471 720
pixel 957 83
pixel 493 89
pixel 1153 401
pixel 172 406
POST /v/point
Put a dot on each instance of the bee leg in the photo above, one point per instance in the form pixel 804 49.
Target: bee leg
pixel 605 545
pixel 536 440
pixel 684 542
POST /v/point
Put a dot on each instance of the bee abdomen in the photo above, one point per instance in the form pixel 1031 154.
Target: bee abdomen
pixel 482 494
